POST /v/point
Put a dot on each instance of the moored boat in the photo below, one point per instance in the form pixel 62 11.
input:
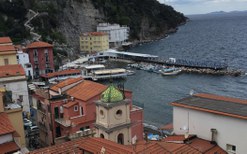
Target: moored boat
pixel 170 71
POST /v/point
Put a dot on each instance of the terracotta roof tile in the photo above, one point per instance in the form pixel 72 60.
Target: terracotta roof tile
pixel 216 150
pixel 64 72
pixel 65 83
pixel 4 40
pixel 70 104
pixel 86 90
pixel 9 147
pixel 94 145
pixel 7 48
pixel 5 124
pixel 39 44
pixel 11 70
pixel 201 145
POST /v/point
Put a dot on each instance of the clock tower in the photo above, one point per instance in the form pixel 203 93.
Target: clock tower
pixel 113 116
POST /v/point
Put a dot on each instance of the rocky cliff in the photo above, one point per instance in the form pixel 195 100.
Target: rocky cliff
pixel 65 20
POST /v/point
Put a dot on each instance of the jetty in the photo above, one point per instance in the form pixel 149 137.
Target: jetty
pixel 187 65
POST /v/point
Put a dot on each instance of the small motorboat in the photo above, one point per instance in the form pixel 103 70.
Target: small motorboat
pixel 170 71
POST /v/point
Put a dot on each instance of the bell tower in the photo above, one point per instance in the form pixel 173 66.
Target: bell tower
pixel 113 116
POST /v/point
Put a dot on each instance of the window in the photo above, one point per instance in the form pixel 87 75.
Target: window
pixel 76 108
pixel 35 52
pixel 119 113
pixel 102 136
pixel 120 139
pixel 231 149
pixel 6 61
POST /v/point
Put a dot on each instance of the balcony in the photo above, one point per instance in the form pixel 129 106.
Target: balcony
pixel 64 122
pixel 85 133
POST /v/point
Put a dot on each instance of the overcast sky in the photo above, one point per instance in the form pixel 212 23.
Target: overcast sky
pixel 205 6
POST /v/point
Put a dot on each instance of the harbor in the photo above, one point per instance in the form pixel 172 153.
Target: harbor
pixel 153 63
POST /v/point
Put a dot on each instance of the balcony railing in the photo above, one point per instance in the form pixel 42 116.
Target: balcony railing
pixel 64 122
pixel 85 133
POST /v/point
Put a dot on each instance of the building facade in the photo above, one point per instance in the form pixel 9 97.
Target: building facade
pixel 113 118
pixel 23 59
pixel 12 113
pixel 41 57
pixel 7 52
pixel 117 34
pixel 94 42
pixel 67 111
pixel 222 120
pixel 13 78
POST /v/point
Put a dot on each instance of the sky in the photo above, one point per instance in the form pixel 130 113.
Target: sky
pixel 188 7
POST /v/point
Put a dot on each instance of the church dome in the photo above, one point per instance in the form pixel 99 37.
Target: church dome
pixel 111 95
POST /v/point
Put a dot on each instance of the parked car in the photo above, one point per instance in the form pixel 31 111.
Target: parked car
pixel 27 123
pixel 32 131
pixel 33 128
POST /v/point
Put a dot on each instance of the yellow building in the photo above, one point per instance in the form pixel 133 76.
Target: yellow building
pixel 94 42
pixel 14 112
pixel 7 52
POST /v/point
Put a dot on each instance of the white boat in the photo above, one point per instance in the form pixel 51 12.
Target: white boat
pixel 109 73
pixel 170 71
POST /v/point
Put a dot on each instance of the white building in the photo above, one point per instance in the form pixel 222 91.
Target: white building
pixel 220 119
pixel 117 34
pixel 23 59
pixel 13 78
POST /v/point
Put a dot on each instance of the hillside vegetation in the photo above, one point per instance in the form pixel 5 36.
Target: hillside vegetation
pixel 64 20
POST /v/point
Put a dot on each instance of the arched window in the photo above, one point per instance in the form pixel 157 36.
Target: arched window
pixel 120 138
pixel 102 136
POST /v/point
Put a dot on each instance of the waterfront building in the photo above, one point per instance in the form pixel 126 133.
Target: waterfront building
pixel 12 136
pixel 117 34
pixel 61 75
pixel 41 57
pixel 23 59
pixel 13 78
pixel 220 119
pixel 92 42
pixel 7 52
pixel 117 119
pixel 67 110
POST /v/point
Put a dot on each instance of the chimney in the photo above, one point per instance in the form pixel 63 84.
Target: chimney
pixel 213 137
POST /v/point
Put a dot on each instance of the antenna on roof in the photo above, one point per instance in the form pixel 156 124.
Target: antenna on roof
pixel 192 92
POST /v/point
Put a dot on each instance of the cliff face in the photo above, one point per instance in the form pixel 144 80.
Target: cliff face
pixel 76 18
pixel 65 20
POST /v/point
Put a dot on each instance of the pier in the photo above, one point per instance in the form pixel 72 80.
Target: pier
pixel 189 66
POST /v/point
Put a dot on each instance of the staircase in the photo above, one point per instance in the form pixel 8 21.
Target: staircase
pixel 31 14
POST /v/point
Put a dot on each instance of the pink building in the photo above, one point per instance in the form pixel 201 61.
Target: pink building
pixel 68 110
pixel 41 57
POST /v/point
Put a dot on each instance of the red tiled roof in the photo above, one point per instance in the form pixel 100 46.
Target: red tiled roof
pixel 38 44
pixel 86 90
pixel 70 104
pixel 5 124
pixel 11 70
pixel 4 40
pixel 7 48
pixel 65 83
pixel 9 147
pixel 64 72
pixel 94 145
